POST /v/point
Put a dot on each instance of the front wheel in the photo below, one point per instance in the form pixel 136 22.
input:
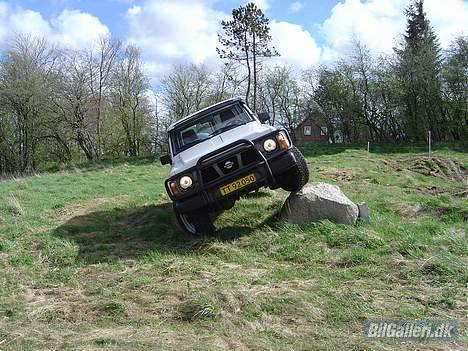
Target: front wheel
pixel 196 224
pixel 295 178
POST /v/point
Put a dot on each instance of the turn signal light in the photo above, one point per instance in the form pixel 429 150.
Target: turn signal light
pixel 283 141
pixel 174 189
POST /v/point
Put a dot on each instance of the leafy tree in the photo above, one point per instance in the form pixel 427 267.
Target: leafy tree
pixel 333 96
pixel 246 39
pixel 419 66
pixel 455 88
pixel 27 81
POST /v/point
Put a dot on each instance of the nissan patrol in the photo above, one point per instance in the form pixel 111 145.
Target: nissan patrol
pixel 222 152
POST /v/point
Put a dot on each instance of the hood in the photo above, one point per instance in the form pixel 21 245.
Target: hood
pixel 189 158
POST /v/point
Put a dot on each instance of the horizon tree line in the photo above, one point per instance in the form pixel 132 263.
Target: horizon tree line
pixel 60 106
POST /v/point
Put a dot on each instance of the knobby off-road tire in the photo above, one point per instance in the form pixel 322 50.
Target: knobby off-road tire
pixel 196 224
pixel 294 179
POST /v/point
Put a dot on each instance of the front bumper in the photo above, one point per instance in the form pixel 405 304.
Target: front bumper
pixel 209 198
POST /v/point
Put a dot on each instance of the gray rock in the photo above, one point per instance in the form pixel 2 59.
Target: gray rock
pixel 319 201
pixel 363 211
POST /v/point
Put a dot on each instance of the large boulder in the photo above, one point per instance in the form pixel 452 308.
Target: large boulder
pixel 319 201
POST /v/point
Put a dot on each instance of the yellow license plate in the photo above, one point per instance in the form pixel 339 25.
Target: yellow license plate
pixel 237 184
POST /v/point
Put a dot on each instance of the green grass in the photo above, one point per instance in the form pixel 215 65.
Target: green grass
pixel 91 259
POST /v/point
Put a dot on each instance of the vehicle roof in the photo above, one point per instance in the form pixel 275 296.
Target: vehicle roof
pixel 204 111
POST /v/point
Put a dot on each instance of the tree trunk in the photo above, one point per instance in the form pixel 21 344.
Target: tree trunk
pixel 254 51
pixel 249 73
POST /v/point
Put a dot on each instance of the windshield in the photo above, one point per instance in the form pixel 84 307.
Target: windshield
pixel 206 127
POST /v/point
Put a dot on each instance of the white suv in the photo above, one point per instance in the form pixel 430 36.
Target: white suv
pixel 222 152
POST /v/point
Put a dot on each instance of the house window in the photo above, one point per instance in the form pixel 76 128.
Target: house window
pixel 323 131
pixel 307 130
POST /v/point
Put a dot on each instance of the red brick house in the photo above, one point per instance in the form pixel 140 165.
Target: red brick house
pixel 312 130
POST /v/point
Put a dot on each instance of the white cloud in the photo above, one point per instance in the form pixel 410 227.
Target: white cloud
pixel 171 31
pixel 76 29
pixel 449 17
pixel 264 5
pixel 21 22
pixel 296 6
pixel 71 28
pixel 295 45
pixel 380 23
pixel 134 10
pixel 174 31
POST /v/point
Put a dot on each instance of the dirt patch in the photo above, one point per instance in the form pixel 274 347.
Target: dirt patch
pixel 342 174
pixel 81 209
pixel 408 210
pixel 78 209
pixel 57 304
pixel 428 190
pixel 413 211
pixel 439 167
pixel 433 190
pixel 393 164
pixel 462 193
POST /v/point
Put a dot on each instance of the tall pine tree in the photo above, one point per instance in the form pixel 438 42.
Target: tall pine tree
pixel 419 67
pixel 246 39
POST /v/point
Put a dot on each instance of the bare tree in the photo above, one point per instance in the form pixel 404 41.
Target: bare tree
pixel 100 62
pixel 185 89
pixel 129 86
pixel 76 103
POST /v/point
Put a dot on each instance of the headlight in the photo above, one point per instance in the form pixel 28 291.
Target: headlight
pixel 269 145
pixel 185 182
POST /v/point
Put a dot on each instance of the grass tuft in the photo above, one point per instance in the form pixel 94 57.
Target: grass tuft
pixel 113 308
pixel 13 206
pixel 199 307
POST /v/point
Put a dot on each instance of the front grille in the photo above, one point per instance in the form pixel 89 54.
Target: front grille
pixel 248 157
pixel 229 165
pixel 209 174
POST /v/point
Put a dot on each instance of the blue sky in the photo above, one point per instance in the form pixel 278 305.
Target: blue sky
pixel 306 32
pixel 112 12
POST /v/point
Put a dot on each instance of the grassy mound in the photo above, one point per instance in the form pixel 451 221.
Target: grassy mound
pixel 441 167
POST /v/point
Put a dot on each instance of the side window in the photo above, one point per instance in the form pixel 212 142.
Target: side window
pixel 307 130
pixel 323 131
pixel 189 136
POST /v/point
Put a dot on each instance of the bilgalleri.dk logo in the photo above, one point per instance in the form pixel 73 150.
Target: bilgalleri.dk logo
pixel 411 330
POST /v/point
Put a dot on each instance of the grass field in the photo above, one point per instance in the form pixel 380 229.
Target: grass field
pixel 91 259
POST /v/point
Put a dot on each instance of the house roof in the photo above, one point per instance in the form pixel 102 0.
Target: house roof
pixel 316 117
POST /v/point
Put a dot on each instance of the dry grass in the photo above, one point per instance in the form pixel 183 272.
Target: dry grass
pixel 99 264
pixel 13 205
pixel 340 174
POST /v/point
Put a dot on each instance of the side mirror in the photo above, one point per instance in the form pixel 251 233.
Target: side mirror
pixel 165 159
pixel 264 117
